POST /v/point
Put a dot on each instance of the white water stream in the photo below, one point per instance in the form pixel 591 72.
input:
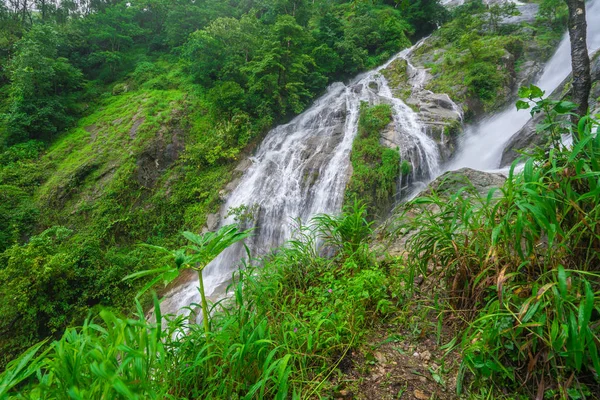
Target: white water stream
pixel 301 170
pixel 483 143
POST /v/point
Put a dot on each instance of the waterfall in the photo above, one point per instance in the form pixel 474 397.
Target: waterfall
pixel 484 142
pixel 301 169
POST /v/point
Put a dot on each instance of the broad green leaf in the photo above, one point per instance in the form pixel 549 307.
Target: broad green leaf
pixel 535 92
pixel 522 105
pixel 563 107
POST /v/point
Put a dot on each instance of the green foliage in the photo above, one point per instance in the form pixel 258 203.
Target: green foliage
pixel 349 232
pixel 375 168
pixel 17 215
pixel 554 320
pixel 53 280
pixel 203 250
pixel 521 265
pixel 551 21
pixel 275 68
pixel 108 356
pixel 479 56
pixel 41 85
pixel 278 337
pixel 554 110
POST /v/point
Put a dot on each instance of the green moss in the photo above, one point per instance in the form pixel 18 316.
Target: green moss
pixel 376 168
pixel 453 128
pixel 395 74
pixel 405 167
pixel 469 62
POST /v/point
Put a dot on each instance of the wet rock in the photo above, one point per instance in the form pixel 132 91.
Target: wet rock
pixel 357 88
pixel 524 140
pixel 212 221
pixel 436 111
pixel 243 166
pixel 528 72
pixel 527 138
pixel 157 157
pixel 528 14
pixel 389 137
pixel 452 181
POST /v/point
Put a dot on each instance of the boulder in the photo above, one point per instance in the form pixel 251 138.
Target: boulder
pixel 445 185
pixel 441 117
pixel 452 181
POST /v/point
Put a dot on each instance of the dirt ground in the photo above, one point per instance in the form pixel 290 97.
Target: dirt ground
pixel 394 364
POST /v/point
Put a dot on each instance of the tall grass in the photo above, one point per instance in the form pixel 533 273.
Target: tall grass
pixel 521 265
pixel 282 333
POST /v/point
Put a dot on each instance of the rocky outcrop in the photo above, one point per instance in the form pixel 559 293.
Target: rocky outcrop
pixel 452 181
pixel 527 137
pixel 441 117
pixel 445 186
pixel 160 153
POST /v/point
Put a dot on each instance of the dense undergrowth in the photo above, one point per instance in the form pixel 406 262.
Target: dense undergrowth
pixel 282 334
pixel 519 266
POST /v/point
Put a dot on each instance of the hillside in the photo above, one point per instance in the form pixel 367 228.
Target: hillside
pixel 124 124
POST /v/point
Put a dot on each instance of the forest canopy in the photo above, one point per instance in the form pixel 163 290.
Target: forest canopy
pixel 263 59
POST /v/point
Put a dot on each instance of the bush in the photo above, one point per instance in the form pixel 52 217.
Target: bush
pixel 522 268
pixel 375 168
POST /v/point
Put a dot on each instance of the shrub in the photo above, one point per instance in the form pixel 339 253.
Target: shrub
pixel 522 268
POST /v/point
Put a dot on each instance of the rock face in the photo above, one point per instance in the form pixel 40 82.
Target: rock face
pixel 440 116
pixel 452 181
pixel 161 152
pixel 445 185
pixel 527 138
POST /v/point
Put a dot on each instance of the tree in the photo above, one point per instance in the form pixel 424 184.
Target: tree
pixel 580 59
pixel 41 83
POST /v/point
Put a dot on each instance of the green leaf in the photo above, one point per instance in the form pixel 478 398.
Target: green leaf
pixel 141 274
pixel 524 92
pixel 564 107
pixel 562 282
pixel 535 92
pixel 522 105
pixel 586 308
pixel 20 369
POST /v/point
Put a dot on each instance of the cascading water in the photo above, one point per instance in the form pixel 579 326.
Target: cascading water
pixel 483 143
pixel 301 170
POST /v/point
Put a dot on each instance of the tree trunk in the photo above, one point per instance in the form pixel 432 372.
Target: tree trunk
pixel 580 58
